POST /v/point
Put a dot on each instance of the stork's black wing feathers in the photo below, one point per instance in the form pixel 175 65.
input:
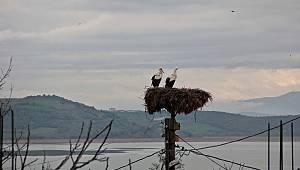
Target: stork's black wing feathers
pixel 167 80
pixel 153 77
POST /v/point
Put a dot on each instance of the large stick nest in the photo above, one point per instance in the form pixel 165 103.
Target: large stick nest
pixel 175 100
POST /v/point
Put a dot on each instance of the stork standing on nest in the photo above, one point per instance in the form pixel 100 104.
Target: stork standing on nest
pixel 171 79
pixel 156 78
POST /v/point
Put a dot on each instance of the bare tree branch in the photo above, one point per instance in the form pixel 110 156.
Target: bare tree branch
pixel 106 167
pixel 77 163
pixel 5 74
pixel 130 167
pixel 23 158
pixel 88 142
pixel 44 160
pixel 5 103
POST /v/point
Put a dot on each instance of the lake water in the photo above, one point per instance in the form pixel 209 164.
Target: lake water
pixel 248 153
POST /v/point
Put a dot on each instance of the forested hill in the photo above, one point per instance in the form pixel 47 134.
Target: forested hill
pixel 56 117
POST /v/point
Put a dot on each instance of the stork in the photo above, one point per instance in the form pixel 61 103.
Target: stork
pixel 171 79
pixel 156 78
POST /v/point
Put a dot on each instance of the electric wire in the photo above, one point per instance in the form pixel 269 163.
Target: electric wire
pixel 202 153
pixel 247 137
pixel 140 159
pixel 214 157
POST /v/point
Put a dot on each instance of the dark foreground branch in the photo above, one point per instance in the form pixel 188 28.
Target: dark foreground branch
pixel 84 147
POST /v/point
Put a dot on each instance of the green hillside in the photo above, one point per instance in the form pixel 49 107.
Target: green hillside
pixel 56 117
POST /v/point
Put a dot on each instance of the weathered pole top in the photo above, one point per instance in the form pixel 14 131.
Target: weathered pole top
pixel 174 100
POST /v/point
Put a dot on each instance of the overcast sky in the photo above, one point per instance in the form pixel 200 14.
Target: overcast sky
pixel 103 53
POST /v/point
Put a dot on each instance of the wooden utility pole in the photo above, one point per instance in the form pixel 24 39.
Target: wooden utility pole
pixel 1 138
pixel 170 127
pixel 175 101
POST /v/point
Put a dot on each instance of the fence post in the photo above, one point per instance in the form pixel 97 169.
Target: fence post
pixel 281 147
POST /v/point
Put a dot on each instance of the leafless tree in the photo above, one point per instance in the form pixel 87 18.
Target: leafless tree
pixel 45 165
pixel 76 150
pixel 5 103
pixel 23 150
pixel 82 148
pixel 5 74
pixel 130 167
pixel 4 109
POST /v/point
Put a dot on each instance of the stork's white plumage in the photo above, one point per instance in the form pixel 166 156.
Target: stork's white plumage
pixel 170 81
pixel 156 78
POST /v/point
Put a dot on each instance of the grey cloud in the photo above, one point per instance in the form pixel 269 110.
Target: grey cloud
pixel 103 52
pixel 144 34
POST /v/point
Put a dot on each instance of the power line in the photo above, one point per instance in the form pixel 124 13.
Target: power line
pixel 133 162
pixel 247 137
pixel 221 159
pixel 202 153
pixel 214 157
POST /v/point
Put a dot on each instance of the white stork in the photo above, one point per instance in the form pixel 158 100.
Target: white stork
pixel 156 78
pixel 171 79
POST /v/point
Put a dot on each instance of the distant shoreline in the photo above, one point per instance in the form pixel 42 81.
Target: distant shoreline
pixel 138 140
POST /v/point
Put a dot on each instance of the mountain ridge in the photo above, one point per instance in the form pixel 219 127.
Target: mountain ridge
pixel 51 116
pixel 285 104
pixel 285 95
